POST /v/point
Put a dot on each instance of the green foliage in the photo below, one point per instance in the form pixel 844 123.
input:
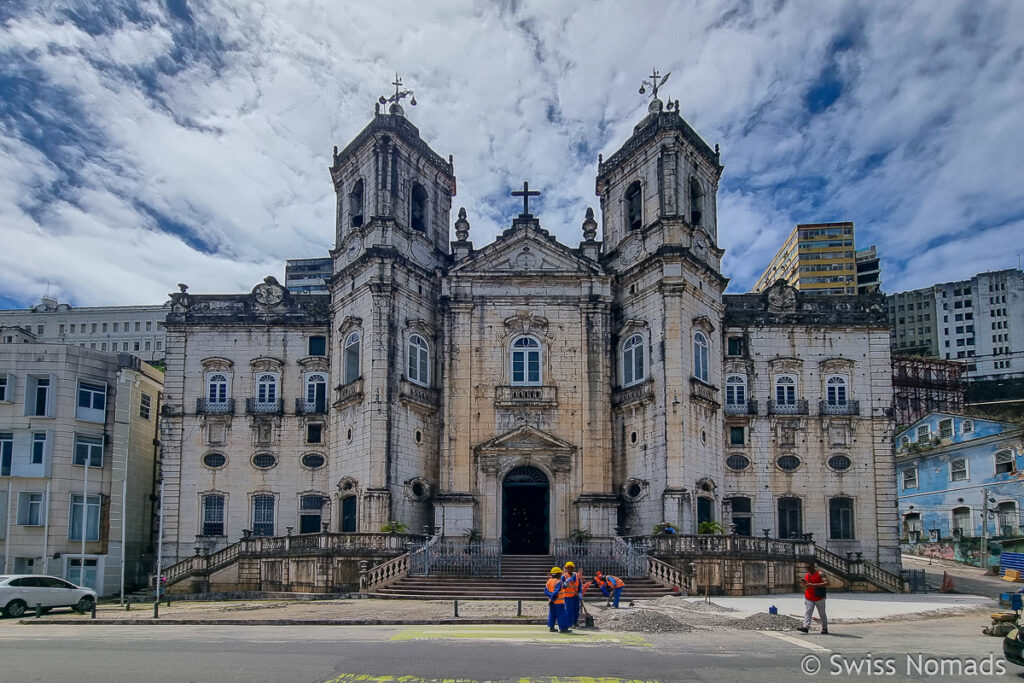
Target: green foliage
pixel 394 527
pixel 579 535
pixel 709 528
pixel 473 535
pixel 665 528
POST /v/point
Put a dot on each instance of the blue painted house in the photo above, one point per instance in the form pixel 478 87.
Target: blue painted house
pixel 947 465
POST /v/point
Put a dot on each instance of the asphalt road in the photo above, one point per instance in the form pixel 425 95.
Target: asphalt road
pixel 319 654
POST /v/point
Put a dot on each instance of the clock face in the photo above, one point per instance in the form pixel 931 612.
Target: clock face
pixel 631 252
pixel 352 249
pixel 700 246
pixel 421 252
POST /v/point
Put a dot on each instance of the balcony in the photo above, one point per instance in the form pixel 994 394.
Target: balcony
pixel 205 406
pixel 744 408
pixel 637 393
pixel 304 407
pixel 254 407
pixel 345 394
pixel 848 408
pixel 704 393
pixel 797 408
pixel 513 396
pixel 419 394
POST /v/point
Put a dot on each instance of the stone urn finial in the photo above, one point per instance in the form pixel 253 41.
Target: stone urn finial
pixel 462 226
pixel 589 226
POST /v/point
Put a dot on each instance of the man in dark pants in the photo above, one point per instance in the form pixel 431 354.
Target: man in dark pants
pixel 556 602
pixel 571 583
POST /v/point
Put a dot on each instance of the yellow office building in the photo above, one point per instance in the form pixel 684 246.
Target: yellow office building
pixel 817 258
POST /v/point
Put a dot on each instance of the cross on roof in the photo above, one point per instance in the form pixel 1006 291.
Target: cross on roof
pixel 525 193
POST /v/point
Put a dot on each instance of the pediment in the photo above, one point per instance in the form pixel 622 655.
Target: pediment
pixel 526 439
pixel 526 248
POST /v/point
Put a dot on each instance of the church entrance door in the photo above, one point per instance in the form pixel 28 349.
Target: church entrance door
pixel 524 512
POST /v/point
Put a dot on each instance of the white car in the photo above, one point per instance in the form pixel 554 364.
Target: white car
pixel 21 592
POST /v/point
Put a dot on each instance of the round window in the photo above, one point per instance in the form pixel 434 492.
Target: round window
pixel 737 462
pixel 264 461
pixel 214 460
pixel 634 490
pixel 418 489
pixel 313 461
pixel 839 463
pixel 788 462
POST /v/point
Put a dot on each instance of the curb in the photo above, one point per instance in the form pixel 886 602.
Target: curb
pixel 285 622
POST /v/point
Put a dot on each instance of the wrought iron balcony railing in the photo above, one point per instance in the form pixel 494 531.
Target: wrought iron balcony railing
pixel 254 407
pixel 304 407
pixel 798 407
pixel 208 407
pixel 847 408
pixel 745 408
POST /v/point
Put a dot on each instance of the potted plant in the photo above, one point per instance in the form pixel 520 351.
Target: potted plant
pixel 394 527
pixel 709 528
pixel 665 528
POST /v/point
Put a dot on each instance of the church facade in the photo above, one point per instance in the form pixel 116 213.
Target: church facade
pixel 527 388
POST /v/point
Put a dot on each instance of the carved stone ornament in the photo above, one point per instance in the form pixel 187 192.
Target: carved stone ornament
pixel 180 301
pixel 589 226
pixel 781 298
pixel 526 260
pixel 269 293
pixel 462 226
pixel 524 322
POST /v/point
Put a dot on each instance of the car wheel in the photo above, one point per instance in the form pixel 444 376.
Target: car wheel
pixel 15 608
pixel 84 605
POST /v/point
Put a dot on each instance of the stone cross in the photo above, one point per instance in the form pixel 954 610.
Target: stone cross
pixel 526 193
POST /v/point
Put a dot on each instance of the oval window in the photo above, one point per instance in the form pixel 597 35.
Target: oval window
pixel 737 462
pixel 264 461
pixel 839 463
pixel 214 460
pixel 313 461
pixel 634 490
pixel 418 489
pixel 788 462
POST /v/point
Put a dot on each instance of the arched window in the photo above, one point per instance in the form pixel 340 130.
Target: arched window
pixel 355 204
pixel 352 372
pixel 785 390
pixel 419 360
pixel 962 521
pixel 835 390
pixel 1008 518
pixel 266 388
pixel 316 393
pixel 736 390
pixel 526 361
pixel 696 202
pixel 633 361
pixel 418 210
pixel 701 357
pixel 634 206
pixel 217 388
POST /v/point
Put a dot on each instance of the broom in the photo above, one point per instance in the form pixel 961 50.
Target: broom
pixel 588 620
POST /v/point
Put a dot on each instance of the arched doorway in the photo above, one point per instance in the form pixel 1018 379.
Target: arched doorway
pixel 524 512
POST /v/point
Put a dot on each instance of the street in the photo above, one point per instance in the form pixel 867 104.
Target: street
pixel 173 653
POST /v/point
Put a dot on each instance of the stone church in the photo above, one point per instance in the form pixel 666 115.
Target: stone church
pixel 528 388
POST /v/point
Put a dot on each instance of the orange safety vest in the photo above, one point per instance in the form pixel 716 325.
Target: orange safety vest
pixel 612 582
pixel 572 585
pixel 558 599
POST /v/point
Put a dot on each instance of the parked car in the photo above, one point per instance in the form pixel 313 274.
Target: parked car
pixel 21 592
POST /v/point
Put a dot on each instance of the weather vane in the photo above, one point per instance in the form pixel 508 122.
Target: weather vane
pixel 399 94
pixel 656 82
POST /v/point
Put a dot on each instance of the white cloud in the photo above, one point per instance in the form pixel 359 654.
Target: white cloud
pixel 226 127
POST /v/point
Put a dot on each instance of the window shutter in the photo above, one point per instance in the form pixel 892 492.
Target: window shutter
pixel 23 501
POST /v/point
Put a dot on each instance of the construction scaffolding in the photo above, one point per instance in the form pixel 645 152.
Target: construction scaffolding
pixel 921 385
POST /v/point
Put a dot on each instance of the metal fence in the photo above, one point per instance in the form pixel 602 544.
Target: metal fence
pixel 610 555
pixel 449 557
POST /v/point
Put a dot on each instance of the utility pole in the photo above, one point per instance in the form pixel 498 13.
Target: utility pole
pixel 984 529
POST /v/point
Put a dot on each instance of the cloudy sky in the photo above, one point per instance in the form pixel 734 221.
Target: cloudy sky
pixel 149 142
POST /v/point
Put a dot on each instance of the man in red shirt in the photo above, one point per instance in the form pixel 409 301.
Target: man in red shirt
pixel 814 596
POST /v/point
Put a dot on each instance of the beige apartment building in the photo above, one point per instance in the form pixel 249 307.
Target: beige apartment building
pixel 63 407
pixel 816 258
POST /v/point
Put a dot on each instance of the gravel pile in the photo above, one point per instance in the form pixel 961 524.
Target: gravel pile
pixel 701 606
pixel 767 622
pixel 642 621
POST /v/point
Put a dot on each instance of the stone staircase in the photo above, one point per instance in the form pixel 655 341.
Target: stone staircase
pixel 522 578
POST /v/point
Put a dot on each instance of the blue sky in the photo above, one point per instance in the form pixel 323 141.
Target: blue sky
pixel 144 144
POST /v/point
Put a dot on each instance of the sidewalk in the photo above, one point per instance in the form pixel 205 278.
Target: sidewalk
pixel 842 607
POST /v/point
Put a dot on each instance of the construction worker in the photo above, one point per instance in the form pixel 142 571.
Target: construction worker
pixel 611 586
pixel 556 601
pixel 571 583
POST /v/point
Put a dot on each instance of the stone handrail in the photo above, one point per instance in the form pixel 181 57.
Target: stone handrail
pixel 664 573
pixel 348 393
pixel 643 391
pixel 854 569
pixel 422 395
pixel 703 391
pixel 384 574
pixel 668 545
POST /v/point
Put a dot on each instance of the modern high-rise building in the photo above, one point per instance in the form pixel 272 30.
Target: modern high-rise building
pixel 138 330
pixel 308 275
pixel 817 258
pixel 979 321
pixel 869 273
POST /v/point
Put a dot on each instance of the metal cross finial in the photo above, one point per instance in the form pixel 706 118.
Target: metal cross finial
pixel 525 193
pixel 399 94
pixel 656 82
